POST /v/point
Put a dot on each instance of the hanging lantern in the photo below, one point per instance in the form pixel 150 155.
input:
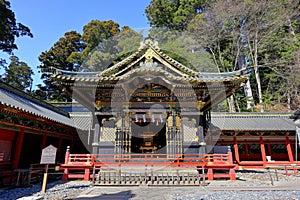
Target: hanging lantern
pixel 144 118
pixel 161 119
pixel 136 118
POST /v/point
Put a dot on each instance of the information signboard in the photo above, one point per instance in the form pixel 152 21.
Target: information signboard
pixel 48 155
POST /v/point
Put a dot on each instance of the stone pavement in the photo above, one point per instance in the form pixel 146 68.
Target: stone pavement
pixel 138 192
pixel 177 192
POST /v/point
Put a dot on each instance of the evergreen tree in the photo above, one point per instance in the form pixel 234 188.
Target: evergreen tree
pixel 9 28
pixel 18 74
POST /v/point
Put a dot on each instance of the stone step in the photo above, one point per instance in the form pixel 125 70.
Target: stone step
pixel 146 177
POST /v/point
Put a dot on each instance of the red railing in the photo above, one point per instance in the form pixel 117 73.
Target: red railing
pixel 147 159
pixel 88 162
pixel 80 159
pixel 217 159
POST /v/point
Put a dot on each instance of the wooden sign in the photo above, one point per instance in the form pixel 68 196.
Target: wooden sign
pixel 48 155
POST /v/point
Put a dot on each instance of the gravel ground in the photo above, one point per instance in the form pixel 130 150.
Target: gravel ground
pixel 245 195
pixel 260 179
pixel 286 188
pixel 55 191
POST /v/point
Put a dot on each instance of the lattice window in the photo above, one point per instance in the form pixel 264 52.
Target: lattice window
pixel 189 130
pixel 109 130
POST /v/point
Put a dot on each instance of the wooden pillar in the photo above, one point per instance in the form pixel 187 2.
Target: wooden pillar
pixel 236 150
pixel 18 148
pixel 59 148
pixel 289 149
pixel 44 140
pixel 263 150
pixel 269 150
pixel 247 149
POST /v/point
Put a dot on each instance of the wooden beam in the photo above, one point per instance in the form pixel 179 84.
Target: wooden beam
pixel 18 148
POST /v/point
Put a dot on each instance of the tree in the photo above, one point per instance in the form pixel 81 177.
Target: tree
pixel 281 61
pixel 181 46
pixel 94 50
pixel 113 49
pixel 235 31
pixel 9 28
pixel 18 74
pixel 173 14
pixel 57 57
pixel 218 31
pixel 261 19
pixel 96 31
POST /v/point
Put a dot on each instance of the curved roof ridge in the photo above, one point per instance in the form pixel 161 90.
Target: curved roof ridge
pixel 173 61
pixel 122 62
pixel 65 72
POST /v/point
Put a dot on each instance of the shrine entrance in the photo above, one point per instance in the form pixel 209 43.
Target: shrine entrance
pixel 149 109
pixel 148 137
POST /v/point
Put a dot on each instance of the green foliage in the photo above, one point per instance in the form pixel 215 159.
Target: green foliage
pixel 9 28
pixel 113 49
pixel 183 48
pixel 58 55
pixel 100 44
pixel 218 30
pixel 173 14
pixel 263 32
pixel 96 32
pixel 18 74
pixel 63 55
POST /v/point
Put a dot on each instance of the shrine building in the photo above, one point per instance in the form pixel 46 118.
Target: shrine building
pixel 149 103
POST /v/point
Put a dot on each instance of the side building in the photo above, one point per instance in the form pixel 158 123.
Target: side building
pixel 27 125
pixel 257 139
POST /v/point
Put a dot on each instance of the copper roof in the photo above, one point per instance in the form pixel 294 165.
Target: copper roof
pixel 248 121
pixel 20 101
pixel 148 50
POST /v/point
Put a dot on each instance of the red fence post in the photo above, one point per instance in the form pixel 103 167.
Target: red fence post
pixel 210 174
pixel 231 170
pixel 86 174
pixel 66 170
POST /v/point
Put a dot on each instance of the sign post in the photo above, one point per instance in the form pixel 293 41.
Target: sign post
pixel 48 157
pixel 297 142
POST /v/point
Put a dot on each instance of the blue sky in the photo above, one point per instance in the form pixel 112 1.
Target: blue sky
pixel 48 20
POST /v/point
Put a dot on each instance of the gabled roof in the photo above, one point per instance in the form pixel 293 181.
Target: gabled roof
pixel 149 58
pixel 149 50
pixel 18 100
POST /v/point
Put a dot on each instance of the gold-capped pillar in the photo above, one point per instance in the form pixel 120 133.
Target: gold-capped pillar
pixel 173 135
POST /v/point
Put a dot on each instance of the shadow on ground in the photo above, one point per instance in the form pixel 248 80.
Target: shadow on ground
pixel 124 195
